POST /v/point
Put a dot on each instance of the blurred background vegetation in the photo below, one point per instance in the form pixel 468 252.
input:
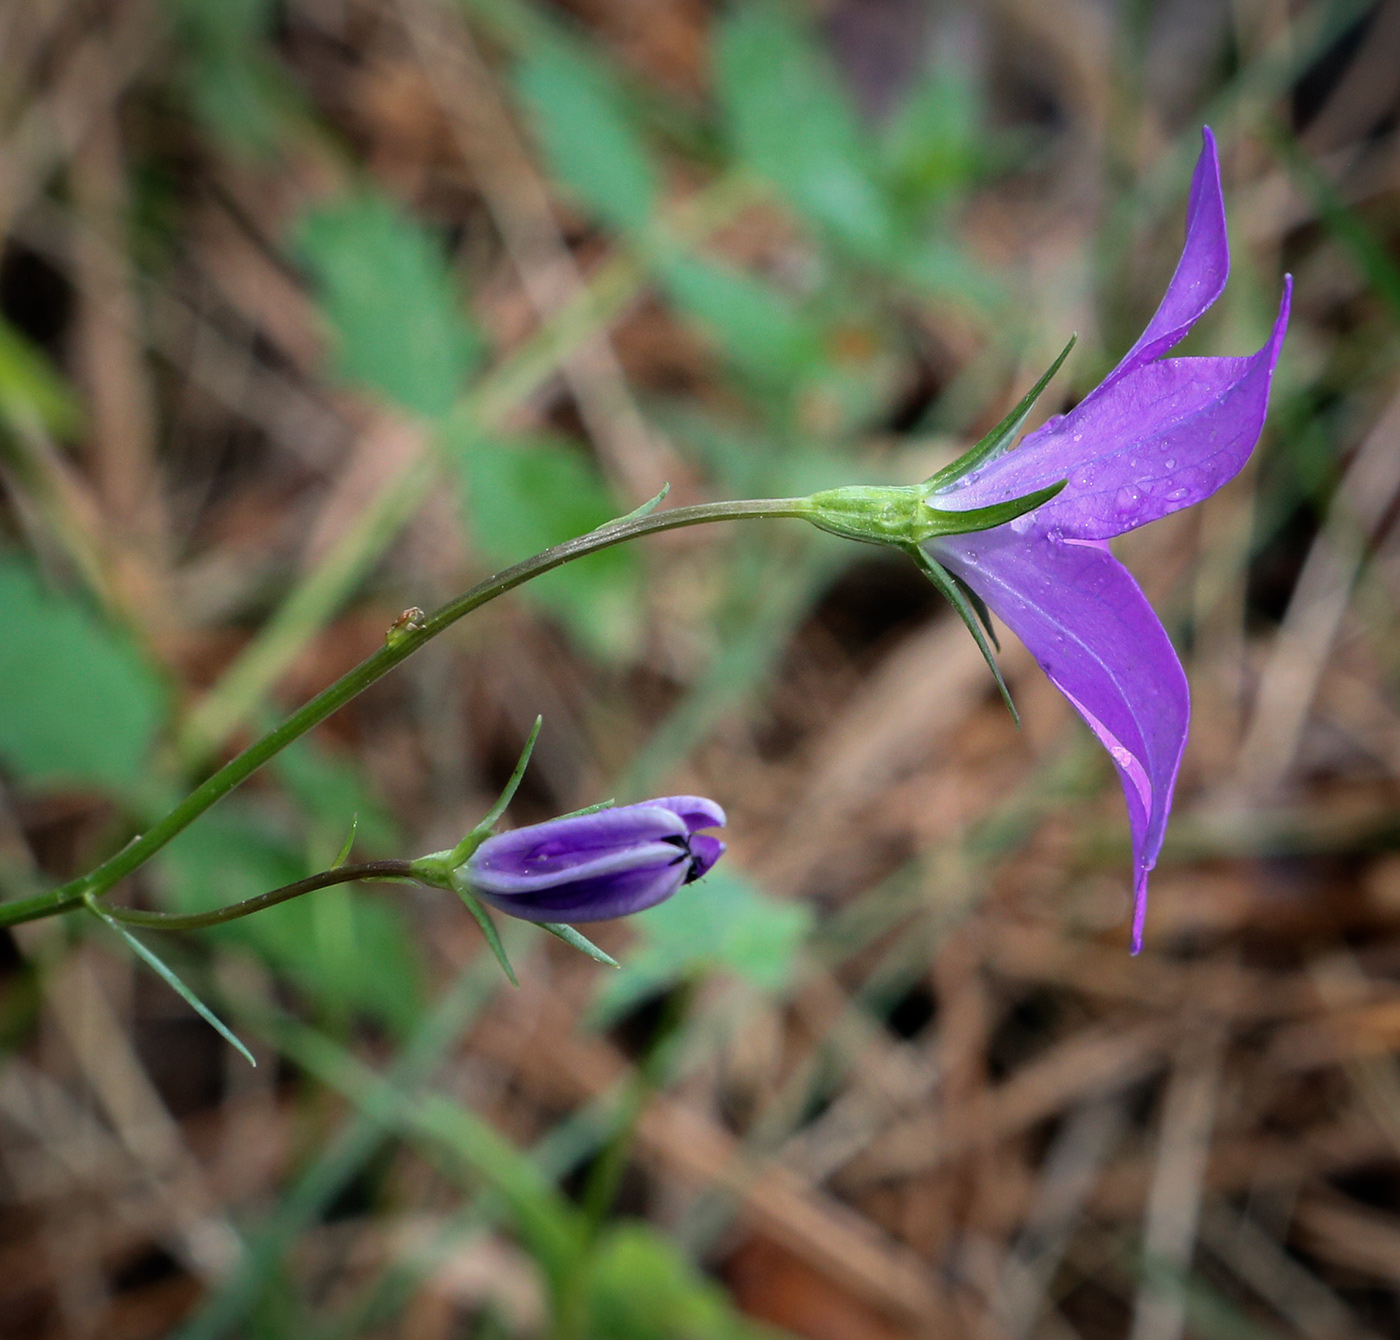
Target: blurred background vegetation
pixel 315 310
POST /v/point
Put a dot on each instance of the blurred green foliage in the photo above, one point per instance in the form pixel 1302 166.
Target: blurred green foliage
pixel 523 494
pixel 793 125
pixel 344 946
pixel 398 326
pixel 723 924
pixel 81 706
pixel 31 389
pixel 231 79
pixel 588 136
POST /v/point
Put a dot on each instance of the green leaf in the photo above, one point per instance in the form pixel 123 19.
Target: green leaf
pixel 236 89
pixel 169 977
pixel 389 299
pixel 581 117
pixel 999 440
pixel 31 389
pixel 346 947
pixel 641 1287
pixel 80 704
pixel 330 788
pixel 929 146
pixel 794 125
pixel 756 326
pixel 722 923
pixel 523 495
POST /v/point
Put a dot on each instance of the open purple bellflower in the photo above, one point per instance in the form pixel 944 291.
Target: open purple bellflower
pixel 590 867
pixel 1155 436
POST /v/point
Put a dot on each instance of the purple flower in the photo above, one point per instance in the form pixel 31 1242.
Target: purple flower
pixel 590 867
pixel 1155 436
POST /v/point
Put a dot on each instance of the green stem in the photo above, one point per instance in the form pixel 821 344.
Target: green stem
pixel 399 646
pixel 179 921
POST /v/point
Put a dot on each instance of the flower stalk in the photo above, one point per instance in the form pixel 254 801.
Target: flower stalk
pixel 402 642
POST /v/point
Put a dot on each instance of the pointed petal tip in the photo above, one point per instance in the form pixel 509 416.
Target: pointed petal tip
pixel 1285 306
pixel 1139 911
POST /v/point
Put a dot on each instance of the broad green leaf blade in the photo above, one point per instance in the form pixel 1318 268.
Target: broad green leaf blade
pixel 757 327
pixel 999 439
pixel 998 514
pixel 580 942
pixel 945 582
pixel 327 783
pixel 346 949
pixel 523 494
pixel 240 93
pixel 722 923
pixel 386 292
pixel 581 117
pixel 931 146
pixel 80 706
pixel 169 977
pixel 793 123
pixel 488 927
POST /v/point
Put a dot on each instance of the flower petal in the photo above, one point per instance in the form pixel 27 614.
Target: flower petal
pixel 1160 438
pixel 487 875
pixel 1085 620
pixel 704 852
pixel 1200 273
pixel 695 811
pixel 616 895
pixel 563 845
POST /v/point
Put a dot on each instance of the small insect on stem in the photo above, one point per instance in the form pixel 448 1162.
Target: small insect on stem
pixel 410 621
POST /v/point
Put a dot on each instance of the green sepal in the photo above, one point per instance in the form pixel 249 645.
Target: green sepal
pixel 168 976
pixel 952 589
pixel 488 927
pixel 900 515
pixel 987 518
pixel 349 843
pixel 978 604
pixel 580 942
pixel 587 809
pixel 999 439
pixel 437 869
pixel 637 513
pixel 488 821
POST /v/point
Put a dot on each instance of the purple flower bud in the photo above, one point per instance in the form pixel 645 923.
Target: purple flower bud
pixel 591 867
